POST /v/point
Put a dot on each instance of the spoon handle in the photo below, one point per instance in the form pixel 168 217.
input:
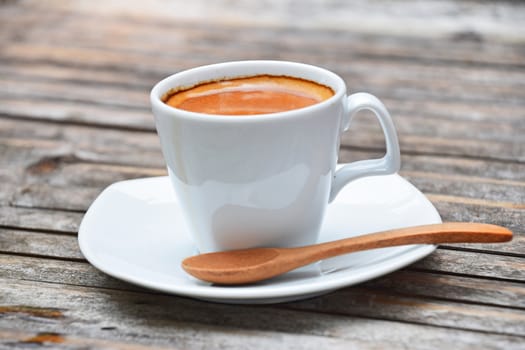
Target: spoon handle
pixel 451 232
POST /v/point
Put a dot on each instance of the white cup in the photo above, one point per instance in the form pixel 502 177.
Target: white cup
pixel 262 180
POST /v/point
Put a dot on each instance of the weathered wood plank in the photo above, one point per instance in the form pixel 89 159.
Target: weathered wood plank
pixel 501 191
pixel 21 108
pixel 92 100
pixel 174 319
pixel 104 148
pixel 433 136
pixel 45 148
pixel 486 192
pixel 23 139
pixel 494 174
pixel 430 126
pixel 51 175
pixel 357 302
pixel 408 282
pixel 441 145
pixel 23 70
pixel 73 92
pixel 94 140
pixel 455 110
pixel 39 244
pixel 68 222
pixel 68 272
pixel 426 86
pixel 58 197
pixel 404 111
pixel 272 13
pixel 39 219
pixel 13 339
pixel 73 31
pixel 86 180
pixel 465 210
pixel 460 203
pixel 472 168
pixel 9 187
pixel 133 28
pixel 360 73
pixel 460 83
pixel 38 196
pixel 473 263
pixel 88 176
pixel 490 202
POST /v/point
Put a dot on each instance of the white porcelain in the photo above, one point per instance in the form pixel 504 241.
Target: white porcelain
pixel 266 179
pixel 135 231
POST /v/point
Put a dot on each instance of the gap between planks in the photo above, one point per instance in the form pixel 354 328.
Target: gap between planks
pixel 32 339
pixel 18 268
pixel 326 305
pixel 435 197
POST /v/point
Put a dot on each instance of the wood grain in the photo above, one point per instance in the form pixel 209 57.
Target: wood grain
pixel 469 262
pixel 174 320
pixel 39 219
pixel 413 281
pixel 39 244
pixel 74 118
pixel 16 338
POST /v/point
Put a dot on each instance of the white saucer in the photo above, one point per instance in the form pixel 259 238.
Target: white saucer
pixel 134 231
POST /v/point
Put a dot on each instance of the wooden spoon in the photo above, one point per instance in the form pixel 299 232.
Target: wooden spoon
pixel 252 265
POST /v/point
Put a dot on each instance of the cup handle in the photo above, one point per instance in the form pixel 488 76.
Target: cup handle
pixel 391 161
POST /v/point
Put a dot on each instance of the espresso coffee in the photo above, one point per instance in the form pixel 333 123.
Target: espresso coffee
pixel 259 94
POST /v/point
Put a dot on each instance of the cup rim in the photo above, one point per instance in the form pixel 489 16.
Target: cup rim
pixel 330 79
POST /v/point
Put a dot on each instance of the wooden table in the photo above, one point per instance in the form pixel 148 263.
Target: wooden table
pixel 74 118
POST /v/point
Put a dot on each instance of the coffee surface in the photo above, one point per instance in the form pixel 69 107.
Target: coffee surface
pixel 260 94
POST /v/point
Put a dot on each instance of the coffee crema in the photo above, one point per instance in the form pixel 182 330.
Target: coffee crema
pixel 261 94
